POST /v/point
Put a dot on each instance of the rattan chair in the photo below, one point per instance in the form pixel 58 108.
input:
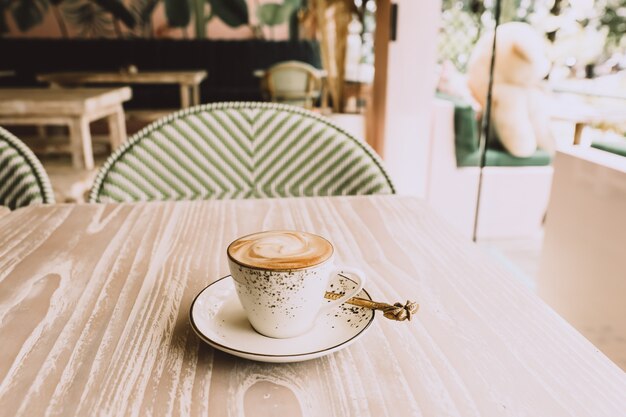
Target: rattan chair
pixel 293 82
pixel 23 180
pixel 239 150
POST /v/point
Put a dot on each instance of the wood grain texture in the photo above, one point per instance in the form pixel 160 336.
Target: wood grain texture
pixel 4 211
pixel 94 303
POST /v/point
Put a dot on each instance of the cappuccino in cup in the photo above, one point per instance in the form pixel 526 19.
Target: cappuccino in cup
pixel 281 277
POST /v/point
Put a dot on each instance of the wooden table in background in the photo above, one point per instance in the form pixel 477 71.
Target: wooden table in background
pixel 588 116
pixel 606 89
pixel 74 108
pixel 94 306
pixel 188 81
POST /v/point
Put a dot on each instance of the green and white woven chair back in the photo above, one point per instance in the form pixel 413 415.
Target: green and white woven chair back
pixel 23 180
pixel 239 150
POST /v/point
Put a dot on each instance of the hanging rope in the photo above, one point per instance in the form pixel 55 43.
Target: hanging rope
pixel 486 120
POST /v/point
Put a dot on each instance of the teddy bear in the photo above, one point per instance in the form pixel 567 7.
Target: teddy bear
pixel 520 106
pixel 451 82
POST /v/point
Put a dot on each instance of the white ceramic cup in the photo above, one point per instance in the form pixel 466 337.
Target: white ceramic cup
pixel 283 302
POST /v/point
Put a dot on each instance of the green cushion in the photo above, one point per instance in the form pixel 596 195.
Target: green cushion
pixel 467 144
pixel 501 158
pixel 617 146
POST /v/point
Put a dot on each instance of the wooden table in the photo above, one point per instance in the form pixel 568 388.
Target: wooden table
pixel 188 81
pixel 75 108
pixel 585 114
pixel 94 304
pixel 609 89
pixel 591 117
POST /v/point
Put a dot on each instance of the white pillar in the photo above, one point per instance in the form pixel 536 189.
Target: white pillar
pixel 411 85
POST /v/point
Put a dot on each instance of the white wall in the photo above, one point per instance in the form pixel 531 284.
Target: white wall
pixel 410 89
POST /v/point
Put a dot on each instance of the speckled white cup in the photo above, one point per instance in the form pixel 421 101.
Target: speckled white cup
pixel 286 303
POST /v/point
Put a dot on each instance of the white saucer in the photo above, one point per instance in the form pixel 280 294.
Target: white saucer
pixel 218 318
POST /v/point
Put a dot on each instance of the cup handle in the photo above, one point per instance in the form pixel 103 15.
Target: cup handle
pixel 356 275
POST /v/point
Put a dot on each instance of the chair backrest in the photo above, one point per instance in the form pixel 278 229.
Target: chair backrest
pixel 23 181
pixel 240 150
pixel 293 82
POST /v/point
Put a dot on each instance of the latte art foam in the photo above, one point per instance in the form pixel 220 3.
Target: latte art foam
pixel 279 250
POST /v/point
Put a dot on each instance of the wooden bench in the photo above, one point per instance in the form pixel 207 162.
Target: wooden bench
pixel 75 108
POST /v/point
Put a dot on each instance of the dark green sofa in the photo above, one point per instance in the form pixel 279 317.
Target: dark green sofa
pixel 466 132
pixel 616 146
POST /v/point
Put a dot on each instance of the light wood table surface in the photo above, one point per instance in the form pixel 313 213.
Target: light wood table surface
pixel 94 304
pixel 75 108
pixel 4 211
pixel 188 81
